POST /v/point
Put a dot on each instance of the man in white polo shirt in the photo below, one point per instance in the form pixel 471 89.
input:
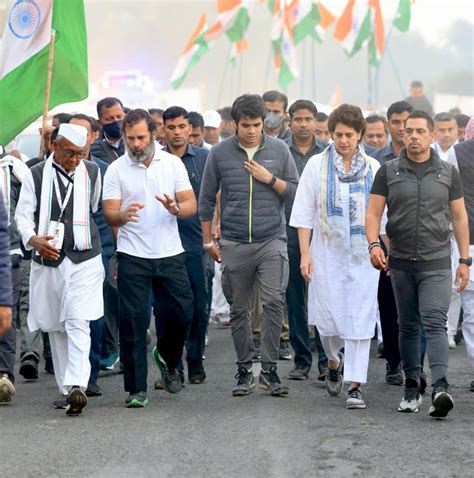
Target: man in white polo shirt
pixel 145 190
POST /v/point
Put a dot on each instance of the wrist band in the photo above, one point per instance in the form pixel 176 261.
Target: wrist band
pixel 272 181
pixel 374 244
pixel 208 245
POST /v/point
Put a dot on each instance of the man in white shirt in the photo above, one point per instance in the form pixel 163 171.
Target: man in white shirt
pixel 145 190
pixel 446 134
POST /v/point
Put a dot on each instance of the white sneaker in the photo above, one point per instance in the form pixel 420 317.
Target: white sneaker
pixel 451 342
pixel 7 390
pixel 410 402
pixel 354 400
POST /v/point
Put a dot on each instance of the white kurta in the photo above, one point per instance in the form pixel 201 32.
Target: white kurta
pixel 342 296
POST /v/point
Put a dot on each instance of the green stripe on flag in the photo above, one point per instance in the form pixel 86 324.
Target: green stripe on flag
pixel 22 90
pixel 306 26
pixel 403 16
pixel 364 33
pixel 241 22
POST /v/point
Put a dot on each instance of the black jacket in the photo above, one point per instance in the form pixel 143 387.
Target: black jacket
pixel 101 149
pixel 5 267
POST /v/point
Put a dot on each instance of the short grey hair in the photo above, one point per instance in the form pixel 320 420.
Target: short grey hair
pixel 444 117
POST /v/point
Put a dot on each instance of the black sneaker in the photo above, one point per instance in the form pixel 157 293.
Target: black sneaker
pixel 394 375
pixel 196 378
pixel 270 381
pixel 29 368
pixel 284 352
pixel 472 386
pixel 60 403
pixel 93 390
pixel 334 382
pixel 299 372
pixel 380 350
pixel 76 401
pixel 442 403
pixel 323 371
pixel 171 379
pixel 48 366
pixel 245 382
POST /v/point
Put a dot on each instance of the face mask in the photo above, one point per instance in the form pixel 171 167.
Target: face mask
pixel 113 130
pixel 272 121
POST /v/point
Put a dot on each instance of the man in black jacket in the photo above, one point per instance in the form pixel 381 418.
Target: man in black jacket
pixel 109 146
pixel 423 195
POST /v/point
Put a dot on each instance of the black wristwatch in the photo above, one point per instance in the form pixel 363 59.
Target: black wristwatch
pixel 272 181
pixel 467 262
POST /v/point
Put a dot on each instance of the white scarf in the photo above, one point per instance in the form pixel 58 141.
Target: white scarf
pixel 81 201
pixel 19 169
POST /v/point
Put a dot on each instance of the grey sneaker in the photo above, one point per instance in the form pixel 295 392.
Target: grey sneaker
pixel 136 400
pixel 411 401
pixel 334 383
pixel 394 375
pixel 354 400
pixel 245 382
pixel 299 372
pixel 442 404
pixel 284 352
pixel 270 381
pixel 7 390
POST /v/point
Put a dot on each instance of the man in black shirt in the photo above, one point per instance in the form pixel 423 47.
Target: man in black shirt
pixel 424 196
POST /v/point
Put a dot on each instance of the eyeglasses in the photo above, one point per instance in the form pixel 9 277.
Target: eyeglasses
pixel 70 154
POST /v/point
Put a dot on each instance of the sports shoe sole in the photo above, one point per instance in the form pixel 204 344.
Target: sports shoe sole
pixel 242 393
pixel 76 401
pixel 6 393
pixel 137 403
pixel 442 405
pixel 356 406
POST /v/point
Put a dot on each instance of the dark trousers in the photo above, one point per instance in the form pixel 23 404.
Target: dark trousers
pixel 297 303
pixel 8 341
pixel 97 330
pixel 388 320
pixel 167 278
pixel 196 268
pixel 423 299
pixel 111 309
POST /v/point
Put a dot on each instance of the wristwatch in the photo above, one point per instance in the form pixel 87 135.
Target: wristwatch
pixel 467 262
pixel 272 181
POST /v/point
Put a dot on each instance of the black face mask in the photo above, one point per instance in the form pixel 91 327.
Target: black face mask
pixel 113 130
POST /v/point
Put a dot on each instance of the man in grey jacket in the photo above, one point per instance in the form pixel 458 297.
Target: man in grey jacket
pixel 255 174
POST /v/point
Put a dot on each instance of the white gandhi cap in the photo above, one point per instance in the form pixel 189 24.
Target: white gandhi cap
pixel 212 119
pixel 74 133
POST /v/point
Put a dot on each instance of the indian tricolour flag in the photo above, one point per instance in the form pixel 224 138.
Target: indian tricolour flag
pixel 233 19
pixel 196 47
pixel 24 52
pixel 360 23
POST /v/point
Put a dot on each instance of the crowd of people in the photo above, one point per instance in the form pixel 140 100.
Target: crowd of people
pixel 301 231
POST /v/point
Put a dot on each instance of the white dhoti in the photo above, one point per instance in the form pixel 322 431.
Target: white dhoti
pixel 63 300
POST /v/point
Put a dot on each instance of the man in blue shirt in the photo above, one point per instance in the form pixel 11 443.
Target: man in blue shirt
pixel 177 132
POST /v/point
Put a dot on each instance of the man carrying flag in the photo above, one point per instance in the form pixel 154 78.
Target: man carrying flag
pixel 54 217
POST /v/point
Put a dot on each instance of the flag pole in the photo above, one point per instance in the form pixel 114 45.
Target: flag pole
pixel 47 92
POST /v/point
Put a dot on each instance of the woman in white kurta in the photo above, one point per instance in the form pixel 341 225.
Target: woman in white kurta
pixel 330 204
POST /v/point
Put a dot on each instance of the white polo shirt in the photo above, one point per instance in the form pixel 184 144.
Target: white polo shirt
pixel 155 235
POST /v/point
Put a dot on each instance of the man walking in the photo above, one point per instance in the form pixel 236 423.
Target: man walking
pixel 423 195
pixel 54 217
pixel 145 191
pixel 256 175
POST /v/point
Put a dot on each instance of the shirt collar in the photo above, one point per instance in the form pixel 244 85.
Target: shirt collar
pixel 189 150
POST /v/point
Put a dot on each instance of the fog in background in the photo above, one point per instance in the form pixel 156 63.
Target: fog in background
pixel 150 36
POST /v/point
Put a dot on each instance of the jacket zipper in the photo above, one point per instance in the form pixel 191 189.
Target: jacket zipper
pixel 251 198
pixel 417 218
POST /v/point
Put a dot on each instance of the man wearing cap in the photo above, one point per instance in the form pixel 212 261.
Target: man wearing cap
pixel 54 217
pixel 212 127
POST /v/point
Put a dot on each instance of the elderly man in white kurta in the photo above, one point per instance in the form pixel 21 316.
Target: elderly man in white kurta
pixel 330 203
pixel 54 217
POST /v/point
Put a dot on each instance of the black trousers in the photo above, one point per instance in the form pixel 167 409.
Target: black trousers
pixel 296 299
pixel 168 281
pixel 388 320
pixel 196 268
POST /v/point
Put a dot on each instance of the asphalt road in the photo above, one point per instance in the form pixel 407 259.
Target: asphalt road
pixel 205 432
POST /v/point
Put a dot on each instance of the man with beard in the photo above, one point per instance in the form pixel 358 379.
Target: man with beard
pixel 109 146
pixel 145 191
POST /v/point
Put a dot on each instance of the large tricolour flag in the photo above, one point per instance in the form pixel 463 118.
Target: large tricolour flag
pixel 24 52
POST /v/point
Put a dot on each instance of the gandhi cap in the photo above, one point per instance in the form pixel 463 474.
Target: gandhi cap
pixel 73 132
